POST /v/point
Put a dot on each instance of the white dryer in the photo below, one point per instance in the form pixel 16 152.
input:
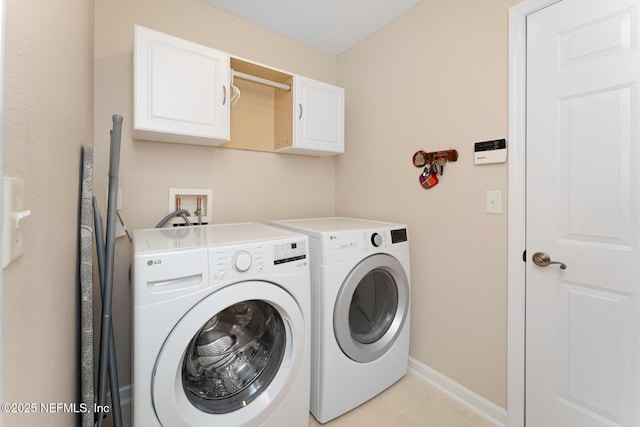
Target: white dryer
pixel 360 282
pixel 221 326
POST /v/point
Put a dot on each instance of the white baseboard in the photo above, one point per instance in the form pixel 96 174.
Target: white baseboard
pixel 473 401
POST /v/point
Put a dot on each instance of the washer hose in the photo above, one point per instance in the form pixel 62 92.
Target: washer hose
pixel 180 212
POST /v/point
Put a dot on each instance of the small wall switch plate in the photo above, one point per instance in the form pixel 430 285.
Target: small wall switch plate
pixel 493 203
pixel 187 198
pixel 13 216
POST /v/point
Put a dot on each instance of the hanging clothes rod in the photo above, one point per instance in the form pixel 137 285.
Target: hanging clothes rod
pixel 260 80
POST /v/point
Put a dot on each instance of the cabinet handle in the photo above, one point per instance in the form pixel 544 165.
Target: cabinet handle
pixel 300 106
pixel 224 94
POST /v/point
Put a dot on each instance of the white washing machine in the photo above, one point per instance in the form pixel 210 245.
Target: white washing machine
pixel 360 282
pixel 221 326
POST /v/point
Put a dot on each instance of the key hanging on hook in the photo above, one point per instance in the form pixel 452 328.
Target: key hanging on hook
pixel 441 162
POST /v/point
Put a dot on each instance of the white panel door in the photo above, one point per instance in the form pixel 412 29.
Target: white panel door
pixel 583 193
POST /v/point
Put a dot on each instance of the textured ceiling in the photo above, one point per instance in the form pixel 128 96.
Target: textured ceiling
pixel 330 25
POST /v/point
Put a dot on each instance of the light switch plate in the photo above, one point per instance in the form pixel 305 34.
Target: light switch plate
pixel 13 219
pixel 493 202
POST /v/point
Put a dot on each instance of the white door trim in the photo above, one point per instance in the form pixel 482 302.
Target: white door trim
pixel 2 136
pixel 517 198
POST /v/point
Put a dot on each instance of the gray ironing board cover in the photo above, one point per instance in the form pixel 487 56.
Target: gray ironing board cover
pixel 86 287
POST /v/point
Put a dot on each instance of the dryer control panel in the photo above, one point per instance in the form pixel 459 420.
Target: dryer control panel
pixel 399 235
pixel 345 245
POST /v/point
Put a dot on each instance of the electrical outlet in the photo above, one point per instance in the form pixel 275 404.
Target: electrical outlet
pixel 189 199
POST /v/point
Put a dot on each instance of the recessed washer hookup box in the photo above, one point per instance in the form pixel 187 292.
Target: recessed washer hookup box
pixel 490 152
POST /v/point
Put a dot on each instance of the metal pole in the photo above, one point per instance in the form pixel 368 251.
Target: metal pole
pixel 105 330
pixel 113 366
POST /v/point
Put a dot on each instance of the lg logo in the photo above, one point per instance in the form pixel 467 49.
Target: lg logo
pixel 154 262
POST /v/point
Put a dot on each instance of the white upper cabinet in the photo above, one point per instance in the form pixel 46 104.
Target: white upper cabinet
pixel 181 90
pixel 189 93
pixel 319 117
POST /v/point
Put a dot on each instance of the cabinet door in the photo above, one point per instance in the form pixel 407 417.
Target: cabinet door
pixel 181 90
pixel 319 120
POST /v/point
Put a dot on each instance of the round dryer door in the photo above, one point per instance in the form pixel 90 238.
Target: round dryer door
pixel 371 308
pixel 230 360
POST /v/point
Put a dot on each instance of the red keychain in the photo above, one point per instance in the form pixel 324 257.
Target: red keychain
pixel 427 178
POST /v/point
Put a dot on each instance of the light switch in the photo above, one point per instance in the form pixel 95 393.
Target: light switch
pixel 493 202
pixel 13 216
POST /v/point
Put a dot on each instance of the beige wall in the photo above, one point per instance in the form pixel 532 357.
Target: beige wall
pixel 434 79
pixel 49 115
pixel 247 186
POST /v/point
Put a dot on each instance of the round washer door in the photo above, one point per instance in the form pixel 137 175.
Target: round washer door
pixel 231 359
pixel 371 308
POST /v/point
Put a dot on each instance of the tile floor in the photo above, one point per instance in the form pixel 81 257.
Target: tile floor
pixel 410 402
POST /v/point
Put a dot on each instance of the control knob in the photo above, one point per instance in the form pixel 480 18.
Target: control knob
pixel 242 261
pixel 376 239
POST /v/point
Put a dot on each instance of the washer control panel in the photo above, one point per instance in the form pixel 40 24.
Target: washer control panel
pixel 243 261
pixel 231 262
pixel 289 252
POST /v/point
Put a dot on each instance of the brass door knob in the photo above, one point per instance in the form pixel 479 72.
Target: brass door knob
pixel 542 259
